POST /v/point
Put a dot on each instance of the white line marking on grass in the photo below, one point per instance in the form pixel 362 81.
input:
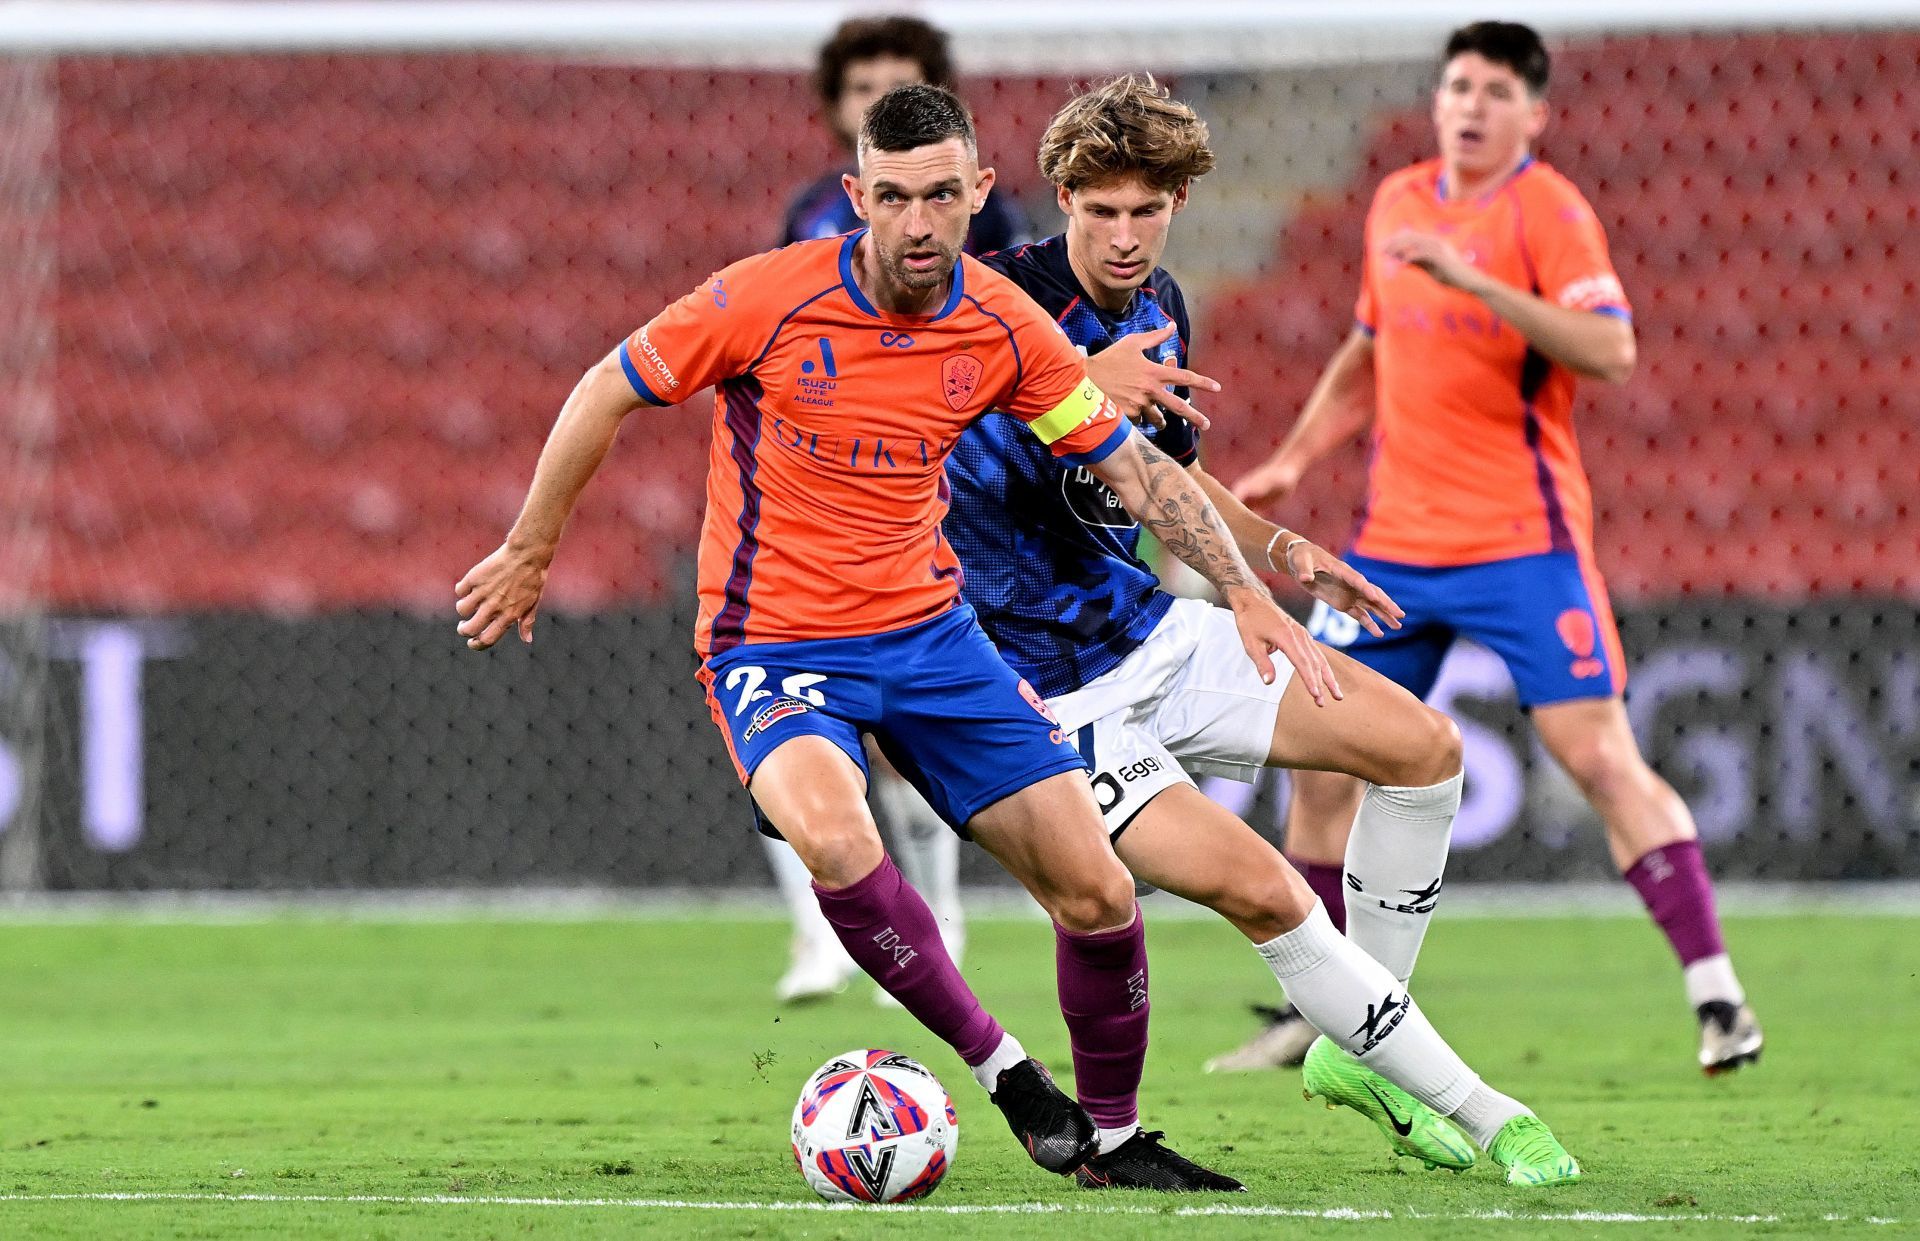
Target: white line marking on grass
pixel 1011 1208
pixel 592 904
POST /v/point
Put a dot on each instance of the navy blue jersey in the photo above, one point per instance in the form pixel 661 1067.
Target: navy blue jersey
pixel 823 210
pixel 1050 558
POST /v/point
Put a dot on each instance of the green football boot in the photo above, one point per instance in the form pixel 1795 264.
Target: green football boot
pixel 1530 1153
pixel 1410 1125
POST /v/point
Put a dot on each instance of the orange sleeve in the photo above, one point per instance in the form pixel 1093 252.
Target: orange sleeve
pixel 1570 255
pixel 707 336
pixel 1053 395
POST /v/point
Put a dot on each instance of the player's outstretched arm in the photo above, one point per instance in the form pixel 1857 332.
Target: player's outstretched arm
pixel 1317 571
pixel 503 591
pixel 1594 345
pixel 1340 405
pixel 1158 491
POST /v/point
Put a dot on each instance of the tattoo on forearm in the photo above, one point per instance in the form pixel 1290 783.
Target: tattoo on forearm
pixel 1186 523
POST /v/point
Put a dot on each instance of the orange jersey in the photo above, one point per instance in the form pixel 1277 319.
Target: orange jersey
pixel 832 422
pixel 1474 454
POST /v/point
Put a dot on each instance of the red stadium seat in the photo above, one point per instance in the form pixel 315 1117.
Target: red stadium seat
pixel 300 289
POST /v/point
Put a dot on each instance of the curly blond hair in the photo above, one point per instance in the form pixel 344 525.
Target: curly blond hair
pixel 1127 127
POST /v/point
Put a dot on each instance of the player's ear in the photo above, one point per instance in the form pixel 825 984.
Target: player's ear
pixel 1064 197
pixel 982 186
pixel 1180 197
pixel 856 194
pixel 1536 118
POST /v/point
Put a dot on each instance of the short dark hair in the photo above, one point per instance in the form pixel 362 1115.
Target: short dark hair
pixel 1511 44
pixel 863 38
pixel 916 115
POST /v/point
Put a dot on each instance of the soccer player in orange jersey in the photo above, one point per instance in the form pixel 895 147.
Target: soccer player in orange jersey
pixel 1486 290
pixel 829 599
pixel 865 57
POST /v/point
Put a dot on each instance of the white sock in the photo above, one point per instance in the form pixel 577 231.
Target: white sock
pixel 1113 1139
pixel 810 926
pixel 1485 1113
pixel 1353 1000
pixel 927 852
pixel 1396 855
pixel 1004 1057
pixel 1712 978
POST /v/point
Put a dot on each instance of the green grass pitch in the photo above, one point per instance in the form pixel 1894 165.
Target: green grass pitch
pixel 256 1078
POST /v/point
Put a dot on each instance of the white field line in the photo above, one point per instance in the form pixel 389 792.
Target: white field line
pixel 581 904
pixel 1026 1208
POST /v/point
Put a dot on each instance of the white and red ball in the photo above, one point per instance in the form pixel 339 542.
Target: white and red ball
pixel 874 1126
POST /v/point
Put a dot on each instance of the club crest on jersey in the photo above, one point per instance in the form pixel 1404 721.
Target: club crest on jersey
pixel 1035 701
pixel 771 714
pixel 959 376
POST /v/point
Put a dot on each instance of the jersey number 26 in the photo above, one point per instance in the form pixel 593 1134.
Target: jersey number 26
pixel 748 679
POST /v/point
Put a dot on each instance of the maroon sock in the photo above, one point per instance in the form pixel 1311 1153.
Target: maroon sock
pixel 1103 996
pixel 1673 882
pixel 888 929
pixel 1325 878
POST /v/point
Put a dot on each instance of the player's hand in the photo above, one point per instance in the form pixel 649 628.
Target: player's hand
pixel 1264 628
pixel 1434 255
pixel 1270 483
pixel 1139 385
pixel 500 593
pixel 1338 585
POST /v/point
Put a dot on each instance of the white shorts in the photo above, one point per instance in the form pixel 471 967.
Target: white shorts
pixel 1186 700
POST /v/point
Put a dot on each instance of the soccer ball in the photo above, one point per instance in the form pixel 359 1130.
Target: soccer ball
pixel 874 1126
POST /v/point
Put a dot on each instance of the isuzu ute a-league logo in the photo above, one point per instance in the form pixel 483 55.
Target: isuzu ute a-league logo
pixel 959 376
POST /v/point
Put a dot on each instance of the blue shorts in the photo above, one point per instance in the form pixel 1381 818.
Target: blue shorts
pixel 946 710
pixel 1546 616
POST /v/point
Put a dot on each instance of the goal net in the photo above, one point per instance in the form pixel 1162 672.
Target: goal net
pixel 289 295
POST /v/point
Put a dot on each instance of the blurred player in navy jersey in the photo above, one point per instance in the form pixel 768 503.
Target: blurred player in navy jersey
pixel 865 58
pixel 1149 685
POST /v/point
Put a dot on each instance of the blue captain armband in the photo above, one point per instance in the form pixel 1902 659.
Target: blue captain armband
pixel 1103 450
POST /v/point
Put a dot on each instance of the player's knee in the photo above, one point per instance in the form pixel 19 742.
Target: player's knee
pixel 1439 754
pixel 1264 902
pixel 839 848
pixel 1603 770
pixel 1101 904
pixel 1420 749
